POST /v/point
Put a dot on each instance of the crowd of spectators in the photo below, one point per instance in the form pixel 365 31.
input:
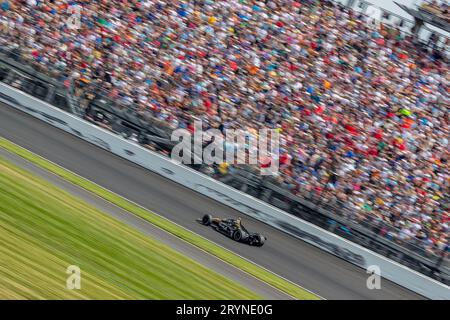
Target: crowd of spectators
pixel 362 112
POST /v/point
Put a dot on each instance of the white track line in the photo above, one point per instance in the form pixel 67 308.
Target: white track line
pixel 157 214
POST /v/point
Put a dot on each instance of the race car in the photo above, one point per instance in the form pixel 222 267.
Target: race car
pixel 234 229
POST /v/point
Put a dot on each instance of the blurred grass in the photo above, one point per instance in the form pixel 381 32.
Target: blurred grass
pixel 43 230
pixel 163 223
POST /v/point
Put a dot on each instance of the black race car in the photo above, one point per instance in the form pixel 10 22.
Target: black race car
pixel 234 229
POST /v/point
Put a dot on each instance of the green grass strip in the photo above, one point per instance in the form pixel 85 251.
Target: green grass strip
pixel 44 229
pixel 163 223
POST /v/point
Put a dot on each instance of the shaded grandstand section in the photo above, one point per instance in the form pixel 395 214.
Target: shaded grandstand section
pixel 430 12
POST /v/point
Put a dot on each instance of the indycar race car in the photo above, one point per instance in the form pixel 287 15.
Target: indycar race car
pixel 234 229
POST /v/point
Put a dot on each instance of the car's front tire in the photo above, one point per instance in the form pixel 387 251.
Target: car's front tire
pixel 261 240
pixel 206 220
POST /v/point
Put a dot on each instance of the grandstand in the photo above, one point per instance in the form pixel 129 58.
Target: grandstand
pixel 362 107
pixel 404 19
pixel 434 12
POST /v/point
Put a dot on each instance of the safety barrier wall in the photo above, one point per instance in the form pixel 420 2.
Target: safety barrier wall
pixel 337 218
pixel 207 186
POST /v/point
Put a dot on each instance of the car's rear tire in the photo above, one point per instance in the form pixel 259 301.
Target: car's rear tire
pixel 206 220
pixel 237 235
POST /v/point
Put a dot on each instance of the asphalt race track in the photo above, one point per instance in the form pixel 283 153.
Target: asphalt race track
pixel 311 268
pixel 259 287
